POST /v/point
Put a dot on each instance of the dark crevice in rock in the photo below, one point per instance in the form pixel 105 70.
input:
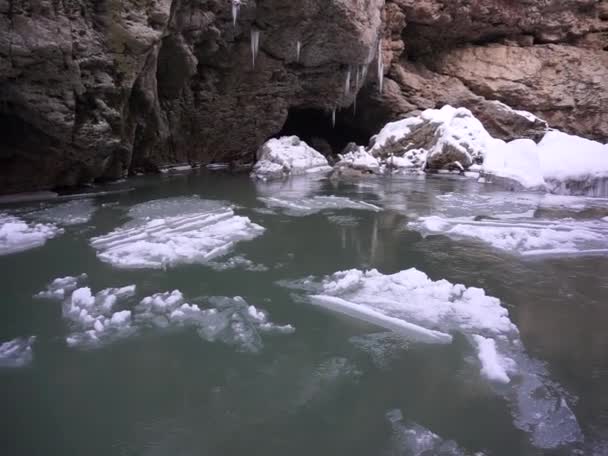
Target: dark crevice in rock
pixel 315 127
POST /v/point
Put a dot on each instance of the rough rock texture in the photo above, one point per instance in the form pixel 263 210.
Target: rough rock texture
pixel 545 56
pixel 94 89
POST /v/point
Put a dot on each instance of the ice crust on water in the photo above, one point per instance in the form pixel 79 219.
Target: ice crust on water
pixel 74 212
pixel 524 236
pixel 16 235
pixel 300 207
pixel 175 231
pixel 287 156
pixel 16 352
pixel 423 310
pixel 229 320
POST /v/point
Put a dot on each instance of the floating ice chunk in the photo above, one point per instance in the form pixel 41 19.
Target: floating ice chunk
pixel 59 288
pixel 230 320
pixel 525 236
pixel 17 236
pixel 415 301
pixel 287 156
pixel 179 239
pixel 493 366
pixel 307 206
pixel 16 352
pixel 71 213
pixel 92 319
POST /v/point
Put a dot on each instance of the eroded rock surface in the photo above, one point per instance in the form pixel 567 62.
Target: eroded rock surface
pixel 93 90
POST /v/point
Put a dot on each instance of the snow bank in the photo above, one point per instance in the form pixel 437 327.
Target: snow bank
pixel 159 238
pixel 287 156
pixel 524 236
pixel 16 352
pixel 360 160
pixel 16 235
pixel 306 206
pixel 560 163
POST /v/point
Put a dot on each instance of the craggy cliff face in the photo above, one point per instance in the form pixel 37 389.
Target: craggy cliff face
pixel 93 89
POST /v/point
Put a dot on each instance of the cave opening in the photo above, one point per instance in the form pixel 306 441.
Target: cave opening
pixel 316 128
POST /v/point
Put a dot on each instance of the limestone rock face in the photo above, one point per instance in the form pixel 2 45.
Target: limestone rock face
pixel 96 89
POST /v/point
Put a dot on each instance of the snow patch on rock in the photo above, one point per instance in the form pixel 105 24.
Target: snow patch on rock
pixel 287 156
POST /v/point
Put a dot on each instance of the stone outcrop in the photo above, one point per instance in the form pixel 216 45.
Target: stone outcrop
pixel 96 89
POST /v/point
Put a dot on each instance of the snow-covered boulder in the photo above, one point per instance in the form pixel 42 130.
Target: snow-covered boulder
pixel 359 161
pixel 449 135
pixel 287 156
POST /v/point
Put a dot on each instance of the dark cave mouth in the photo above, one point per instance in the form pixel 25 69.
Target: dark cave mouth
pixel 317 129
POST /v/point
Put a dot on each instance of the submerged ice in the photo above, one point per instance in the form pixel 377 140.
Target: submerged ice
pixel 306 206
pixel 176 231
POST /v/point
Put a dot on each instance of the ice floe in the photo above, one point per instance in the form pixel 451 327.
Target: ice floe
pixel 230 320
pixel 16 352
pixel 306 206
pixel 288 156
pixel 525 236
pixel 422 310
pixel 165 233
pixel 17 235
pixel 60 287
pixel 103 317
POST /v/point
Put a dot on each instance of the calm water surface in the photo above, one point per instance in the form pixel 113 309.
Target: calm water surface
pixel 321 390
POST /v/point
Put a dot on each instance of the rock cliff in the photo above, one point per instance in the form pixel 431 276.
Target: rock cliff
pixel 95 89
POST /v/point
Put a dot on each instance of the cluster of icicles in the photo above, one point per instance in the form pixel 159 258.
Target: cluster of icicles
pixel 360 71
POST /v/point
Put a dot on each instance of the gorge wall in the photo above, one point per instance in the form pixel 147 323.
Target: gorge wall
pixel 95 89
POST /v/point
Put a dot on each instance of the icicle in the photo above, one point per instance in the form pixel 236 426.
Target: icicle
pixel 236 6
pixel 357 76
pixel 355 105
pixel 380 67
pixel 347 82
pixel 255 45
pixel 298 49
pixel 333 118
pixel 364 70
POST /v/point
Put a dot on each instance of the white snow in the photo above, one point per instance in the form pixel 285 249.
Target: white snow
pixel 201 232
pixel 16 235
pixel 525 236
pixel 493 366
pixel 560 163
pixel 16 352
pixel 288 156
pixel 360 160
pixel 454 129
pixel 306 206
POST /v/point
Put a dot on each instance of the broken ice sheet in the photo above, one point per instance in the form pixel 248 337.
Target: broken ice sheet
pixel 17 235
pixel 165 233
